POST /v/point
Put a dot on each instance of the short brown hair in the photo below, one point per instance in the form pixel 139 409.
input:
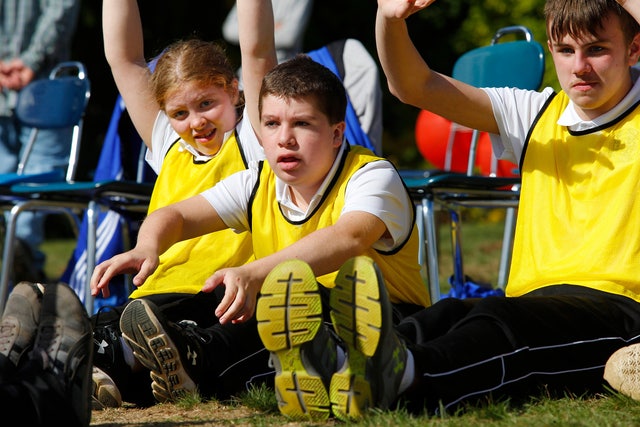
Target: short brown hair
pixel 578 18
pixel 302 77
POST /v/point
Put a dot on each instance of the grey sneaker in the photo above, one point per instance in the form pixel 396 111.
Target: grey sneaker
pixel 20 320
pixel 622 371
pixel 161 347
pixel 64 346
pixel 289 315
pixel 376 357
pixel 105 392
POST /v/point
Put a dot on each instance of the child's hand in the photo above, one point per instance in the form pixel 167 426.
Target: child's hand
pixel 240 295
pixel 132 262
pixel 401 9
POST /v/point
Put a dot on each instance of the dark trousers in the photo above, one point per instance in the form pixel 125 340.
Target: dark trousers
pixel 558 338
pixel 33 395
pixel 233 356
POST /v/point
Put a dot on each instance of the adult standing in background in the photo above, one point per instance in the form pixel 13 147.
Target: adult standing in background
pixel 291 18
pixel 35 35
pixel 358 70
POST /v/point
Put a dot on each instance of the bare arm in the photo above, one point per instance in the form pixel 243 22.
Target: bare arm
pixel 631 6
pixel 325 250
pixel 412 81
pixel 258 53
pixel 184 220
pixel 123 47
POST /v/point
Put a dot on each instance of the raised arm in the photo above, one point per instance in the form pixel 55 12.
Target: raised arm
pixel 258 53
pixel 124 50
pixel 412 81
pixel 631 6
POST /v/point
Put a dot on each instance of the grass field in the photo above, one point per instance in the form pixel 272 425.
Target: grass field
pixel 481 243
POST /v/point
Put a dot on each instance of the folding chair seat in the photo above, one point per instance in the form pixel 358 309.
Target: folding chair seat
pixel 56 102
pixel 519 64
pixel 111 203
pixel 53 103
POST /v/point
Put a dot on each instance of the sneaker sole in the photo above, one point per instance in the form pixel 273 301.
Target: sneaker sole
pixel 622 371
pixel 289 314
pixel 153 347
pixel 105 393
pixel 357 317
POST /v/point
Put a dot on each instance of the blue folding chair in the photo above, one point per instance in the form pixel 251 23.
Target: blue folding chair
pixel 519 64
pixel 53 103
pixel 56 102
pixel 111 203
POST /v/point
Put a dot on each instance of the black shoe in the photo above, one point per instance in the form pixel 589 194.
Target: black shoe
pixel 108 354
pixel 376 356
pixel 63 346
pixel 168 349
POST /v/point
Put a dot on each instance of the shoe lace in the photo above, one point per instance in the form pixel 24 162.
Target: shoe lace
pixel 106 337
pixel 48 339
pixel 7 333
pixel 190 329
pixel 95 321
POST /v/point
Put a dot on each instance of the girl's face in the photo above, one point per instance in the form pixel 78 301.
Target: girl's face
pixel 299 143
pixel 201 114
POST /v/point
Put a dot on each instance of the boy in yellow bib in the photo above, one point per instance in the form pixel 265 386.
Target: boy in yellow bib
pixel 573 293
pixel 314 204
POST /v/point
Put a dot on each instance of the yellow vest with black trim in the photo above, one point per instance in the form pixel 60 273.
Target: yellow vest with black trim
pixel 272 231
pixel 579 214
pixel 186 265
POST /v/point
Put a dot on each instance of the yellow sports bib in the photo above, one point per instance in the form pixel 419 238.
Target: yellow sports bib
pixel 579 211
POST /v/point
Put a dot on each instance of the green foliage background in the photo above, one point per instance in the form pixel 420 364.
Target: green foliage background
pixel 442 32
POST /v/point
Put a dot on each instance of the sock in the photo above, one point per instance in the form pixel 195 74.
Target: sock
pixel 341 355
pixel 409 373
pixel 127 353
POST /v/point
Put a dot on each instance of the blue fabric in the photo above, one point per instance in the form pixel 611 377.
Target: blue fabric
pixel 461 285
pixel 470 289
pixel 354 132
pixel 110 229
pixel 111 225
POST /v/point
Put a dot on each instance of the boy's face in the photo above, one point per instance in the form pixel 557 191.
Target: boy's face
pixel 299 142
pixel 594 71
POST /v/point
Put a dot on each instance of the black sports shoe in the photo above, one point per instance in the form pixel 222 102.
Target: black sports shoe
pixel 108 354
pixel 376 357
pixel 290 324
pixel 166 348
pixel 20 320
pixel 63 346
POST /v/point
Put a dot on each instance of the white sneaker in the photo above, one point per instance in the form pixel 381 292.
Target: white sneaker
pixel 105 393
pixel 622 371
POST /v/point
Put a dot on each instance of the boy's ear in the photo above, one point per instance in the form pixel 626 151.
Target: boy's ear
pixel 634 50
pixel 338 133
